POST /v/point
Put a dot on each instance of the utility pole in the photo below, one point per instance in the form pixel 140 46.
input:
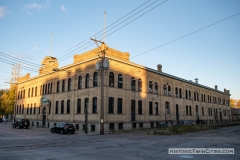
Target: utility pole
pixel 103 66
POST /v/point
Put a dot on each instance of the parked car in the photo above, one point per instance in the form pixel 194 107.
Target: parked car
pixel 63 128
pixel 5 120
pixel 21 123
pixel 0 120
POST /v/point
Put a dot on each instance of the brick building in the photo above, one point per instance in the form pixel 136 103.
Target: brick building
pixel 134 96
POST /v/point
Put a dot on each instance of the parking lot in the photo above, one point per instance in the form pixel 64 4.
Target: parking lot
pixel 40 143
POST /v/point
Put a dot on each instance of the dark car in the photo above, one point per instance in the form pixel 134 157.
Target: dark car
pixel 0 120
pixel 63 128
pixel 21 123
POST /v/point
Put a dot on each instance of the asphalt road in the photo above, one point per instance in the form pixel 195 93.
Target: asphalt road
pixel 40 144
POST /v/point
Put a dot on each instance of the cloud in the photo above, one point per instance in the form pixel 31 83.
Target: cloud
pixel 29 8
pixel 2 11
pixel 63 9
pixel 36 48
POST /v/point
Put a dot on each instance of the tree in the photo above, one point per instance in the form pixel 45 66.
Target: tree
pixel 7 101
pixel 237 104
pixel 232 103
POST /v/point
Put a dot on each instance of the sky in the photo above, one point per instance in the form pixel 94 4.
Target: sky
pixel 190 39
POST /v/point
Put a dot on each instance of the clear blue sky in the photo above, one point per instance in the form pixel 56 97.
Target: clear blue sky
pixel 212 55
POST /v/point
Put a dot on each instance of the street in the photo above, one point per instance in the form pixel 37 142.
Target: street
pixel 40 144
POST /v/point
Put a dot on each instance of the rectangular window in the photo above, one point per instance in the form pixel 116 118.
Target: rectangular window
pixel 94 109
pixel 190 110
pixel 56 109
pixel 119 105
pixel 63 85
pixel 62 106
pixel 50 107
pixel 111 126
pixel 23 109
pixel 186 110
pixel 79 105
pixel 156 108
pixel 68 106
pixel 110 105
pixel 86 105
pixel 120 126
pixel 27 108
pixel 202 111
pixel 139 107
pixel 150 108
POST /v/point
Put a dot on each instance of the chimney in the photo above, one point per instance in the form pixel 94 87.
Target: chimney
pixel 216 87
pixel 159 66
pixel 196 80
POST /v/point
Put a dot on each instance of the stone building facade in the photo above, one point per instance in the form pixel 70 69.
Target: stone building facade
pixel 134 96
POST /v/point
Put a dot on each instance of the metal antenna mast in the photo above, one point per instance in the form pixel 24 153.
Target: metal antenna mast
pixel 51 45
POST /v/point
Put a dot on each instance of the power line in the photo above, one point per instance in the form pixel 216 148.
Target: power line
pixel 106 28
pixel 187 35
pixel 17 59
pixel 11 63
pixel 123 25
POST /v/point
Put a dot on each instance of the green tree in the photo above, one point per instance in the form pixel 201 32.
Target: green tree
pixel 7 100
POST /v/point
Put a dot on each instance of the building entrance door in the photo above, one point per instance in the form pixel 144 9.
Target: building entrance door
pixel 197 115
pixel 177 113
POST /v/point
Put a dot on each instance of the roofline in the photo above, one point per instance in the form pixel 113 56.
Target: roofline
pixel 167 75
pixel 132 64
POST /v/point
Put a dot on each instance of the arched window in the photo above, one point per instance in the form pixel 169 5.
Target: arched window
pixel 36 91
pixel 69 84
pixel 120 81
pixel 139 85
pixel 156 88
pixel 111 79
pixel 87 81
pixel 28 92
pixel 41 90
pixel 150 87
pixel 133 84
pixel 19 94
pixel 80 82
pixel 63 85
pixel 164 89
pixel 169 91
pixel 195 96
pixel 24 93
pixel 62 106
pixel 176 92
pixel 167 111
pixel 51 88
pixel 189 94
pixel 95 79
pixel 45 88
pixel 186 94
pixel 58 86
pixel 32 92
pixel 48 88
pixel 180 93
